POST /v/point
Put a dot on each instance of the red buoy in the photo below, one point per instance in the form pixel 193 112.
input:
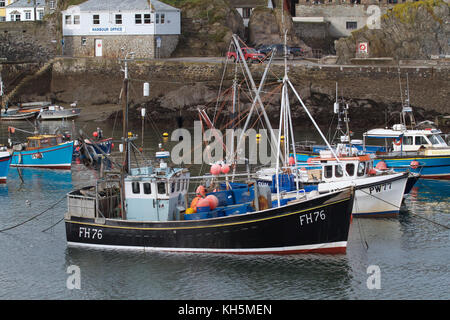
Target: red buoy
pixel 381 165
pixel 414 164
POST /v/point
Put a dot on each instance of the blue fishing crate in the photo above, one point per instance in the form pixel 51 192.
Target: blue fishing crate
pixel 197 216
pixel 225 197
pixel 243 195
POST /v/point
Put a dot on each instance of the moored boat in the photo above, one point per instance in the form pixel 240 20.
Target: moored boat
pixel 58 113
pixel 5 159
pixel 43 151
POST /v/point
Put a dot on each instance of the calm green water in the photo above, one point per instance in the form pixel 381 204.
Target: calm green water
pixel 411 252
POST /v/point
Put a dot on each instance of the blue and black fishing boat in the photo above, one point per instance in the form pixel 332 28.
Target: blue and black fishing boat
pixel 146 208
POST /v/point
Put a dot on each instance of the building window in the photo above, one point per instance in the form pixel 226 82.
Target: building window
pixel 83 41
pixel 52 5
pixel 76 19
pixel 162 17
pixel 138 18
pixel 147 19
pixel 41 14
pixel 350 25
pixel 2 19
pixel 246 12
pixel 15 17
pixel 118 19
pixel 68 19
pixel 157 18
pixel 96 19
pixel 2 3
pixel 27 15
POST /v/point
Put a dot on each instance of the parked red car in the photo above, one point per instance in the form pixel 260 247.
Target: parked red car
pixel 250 55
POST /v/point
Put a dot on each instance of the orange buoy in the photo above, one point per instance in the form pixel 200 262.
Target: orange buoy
pixel 213 201
pixel 381 165
pixel 215 169
pixel 414 164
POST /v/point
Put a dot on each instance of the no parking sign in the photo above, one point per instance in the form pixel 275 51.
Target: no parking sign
pixel 363 47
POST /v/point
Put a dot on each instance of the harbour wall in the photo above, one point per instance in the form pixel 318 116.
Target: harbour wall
pixel 180 85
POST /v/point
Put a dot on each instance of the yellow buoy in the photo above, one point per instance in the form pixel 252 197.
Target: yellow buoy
pixel 282 137
pixel 189 211
pixel 130 134
pixel 165 134
pixel 258 135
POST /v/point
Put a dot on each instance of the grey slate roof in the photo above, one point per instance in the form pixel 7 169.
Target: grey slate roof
pixel 124 5
pixel 26 4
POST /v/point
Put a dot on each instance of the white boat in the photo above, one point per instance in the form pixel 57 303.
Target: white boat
pixel 58 112
pixel 377 192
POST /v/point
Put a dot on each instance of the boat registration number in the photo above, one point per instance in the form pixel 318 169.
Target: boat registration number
pixel 90 233
pixel 312 217
pixel 380 188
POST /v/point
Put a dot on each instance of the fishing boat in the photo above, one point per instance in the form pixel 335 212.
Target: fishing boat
pixel 420 151
pixel 5 159
pixel 17 114
pixel 58 112
pixel 91 150
pixel 146 208
pixel 43 151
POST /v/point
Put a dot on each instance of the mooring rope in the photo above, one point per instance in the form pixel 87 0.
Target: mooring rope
pixel 35 216
pixel 414 214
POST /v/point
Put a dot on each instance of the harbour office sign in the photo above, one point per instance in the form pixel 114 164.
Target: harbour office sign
pixel 108 29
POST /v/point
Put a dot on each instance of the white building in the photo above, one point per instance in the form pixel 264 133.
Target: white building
pixel 25 10
pixel 107 28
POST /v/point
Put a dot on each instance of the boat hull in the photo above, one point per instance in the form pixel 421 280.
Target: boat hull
pixel 59 114
pixel 4 166
pixel 430 167
pixel 319 225
pixel 56 157
pixel 378 196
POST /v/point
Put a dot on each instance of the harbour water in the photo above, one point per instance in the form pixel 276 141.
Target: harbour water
pixel 410 251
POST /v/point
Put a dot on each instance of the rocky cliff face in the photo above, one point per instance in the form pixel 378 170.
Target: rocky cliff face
pixel 266 27
pixel 413 30
pixel 207 27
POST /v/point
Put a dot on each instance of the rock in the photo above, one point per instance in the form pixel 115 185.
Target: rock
pixel 412 30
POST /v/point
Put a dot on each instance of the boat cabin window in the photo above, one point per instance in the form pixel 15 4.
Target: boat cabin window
pixel 33 144
pixel 408 140
pixel 135 187
pixel 328 171
pixel 436 139
pixel 361 167
pixel 172 187
pixel 59 140
pixel 45 143
pixel 350 168
pixel 178 185
pixel 161 187
pixel 420 140
pixel 338 171
pixel 147 188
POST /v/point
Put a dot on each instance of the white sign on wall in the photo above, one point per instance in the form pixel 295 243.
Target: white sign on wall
pixel 363 47
pixel 108 29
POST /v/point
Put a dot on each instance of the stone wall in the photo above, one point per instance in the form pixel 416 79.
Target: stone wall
pixel 99 81
pixel 143 46
pixel 29 41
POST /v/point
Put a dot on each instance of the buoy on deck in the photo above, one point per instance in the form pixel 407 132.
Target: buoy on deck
pixel 213 201
pixel 381 165
pixel 165 134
